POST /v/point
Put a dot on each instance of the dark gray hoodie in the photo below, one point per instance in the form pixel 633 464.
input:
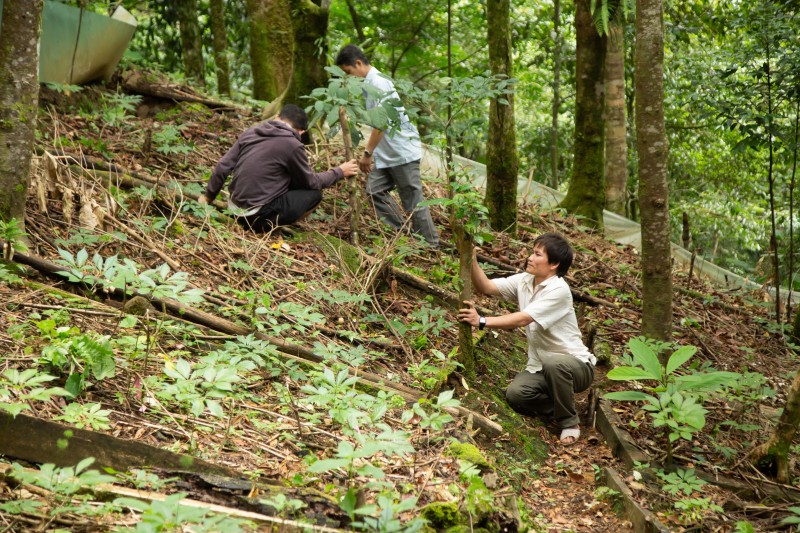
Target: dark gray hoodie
pixel 266 161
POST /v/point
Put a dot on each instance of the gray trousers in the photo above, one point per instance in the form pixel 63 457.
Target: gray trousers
pixel 407 180
pixel 550 393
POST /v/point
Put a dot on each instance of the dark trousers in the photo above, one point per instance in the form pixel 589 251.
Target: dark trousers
pixel 550 393
pixel 285 209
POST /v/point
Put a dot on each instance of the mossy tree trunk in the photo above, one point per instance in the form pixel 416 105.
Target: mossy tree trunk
pixel 586 194
pixel 191 42
pixel 19 101
pixel 352 182
pixel 652 152
pixel 271 47
pixel 220 35
pixel 310 49
pixel 466 345
pixel 502 163
pixel 774 454
pixel 616 142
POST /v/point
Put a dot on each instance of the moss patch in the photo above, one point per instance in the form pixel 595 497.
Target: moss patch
pixel 441 515
pixel 467 452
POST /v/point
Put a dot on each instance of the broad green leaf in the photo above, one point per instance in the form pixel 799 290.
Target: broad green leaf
pixel 630 373
pixel 628 396
pixel 645 356
pixel 680 356
pixel 325 465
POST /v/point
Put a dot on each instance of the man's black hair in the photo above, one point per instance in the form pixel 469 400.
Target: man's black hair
pixel 349 55
pixel 295 116
pixel 558 251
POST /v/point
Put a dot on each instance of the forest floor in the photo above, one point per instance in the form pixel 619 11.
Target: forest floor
pixel 102 157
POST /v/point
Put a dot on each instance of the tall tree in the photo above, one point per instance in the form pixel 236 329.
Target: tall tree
pixel 310 48
pixel 556 93
pixel 616 125
pixel 652 153
pixel 586 194
pixel 502 163
pixel 271 47
pixel 191 43
pixel 19 101
pixel 220 35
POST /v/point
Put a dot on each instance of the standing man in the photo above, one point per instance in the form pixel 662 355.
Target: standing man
pixel 273 184
pixel 396 155
pixel 559 364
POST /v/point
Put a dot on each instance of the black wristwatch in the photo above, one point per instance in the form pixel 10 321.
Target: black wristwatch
pixel 367 153
pixel 481 322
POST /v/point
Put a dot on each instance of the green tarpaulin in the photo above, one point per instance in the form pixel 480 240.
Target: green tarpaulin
pixel 78 46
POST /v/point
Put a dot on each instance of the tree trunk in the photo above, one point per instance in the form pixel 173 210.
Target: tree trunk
pixel 352 181
pixel 191 43
pixel 652 152
pixel 502 163
pixel 466 345
pixel 586 194
pixel 19 101
pixel 220 35
pixel 774 454
pixel 556 94
pixel 271 47
pixel 616 142
pixel 310 49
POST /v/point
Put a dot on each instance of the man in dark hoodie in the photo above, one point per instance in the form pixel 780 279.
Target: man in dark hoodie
pixel 273 183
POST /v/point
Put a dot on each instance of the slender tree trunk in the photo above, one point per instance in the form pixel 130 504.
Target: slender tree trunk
pixel 616 130
pixel 271 47
pixel 586 194
pixel 463 241
pixel 220 34
pixel 352 181
pixel 19 101
pixel 502 163
pixel 191 42
pixel 310 19
pixel 556 93
pixel 773 237
pixel 652 151
pixel 351 7
pixel 792 183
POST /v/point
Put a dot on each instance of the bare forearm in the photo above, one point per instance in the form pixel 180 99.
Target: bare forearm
pixel 510 321
pixel 481 282
pixel 374 139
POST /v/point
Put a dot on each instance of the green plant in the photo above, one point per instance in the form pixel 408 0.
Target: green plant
pixel 169 140
pixel 169 515
pixel 78 355
pixel 678 404
pixel 693 510
pixel 86 415
pixel 18 389
pixel 684 481
pixel 435 417
pixel 793 519
pixel 432 372
pixel 116 107
pixel 283 506
pixel 12 236
pixel 112 273
pixel 199 389
pixel 69 488
pixel 382 516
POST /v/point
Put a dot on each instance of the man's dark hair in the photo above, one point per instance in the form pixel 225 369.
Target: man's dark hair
pixel 558 251
pixel 349 55
pixel 295 116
